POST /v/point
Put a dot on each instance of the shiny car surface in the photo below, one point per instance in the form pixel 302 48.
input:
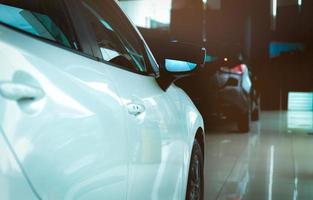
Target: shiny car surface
pixel 82 115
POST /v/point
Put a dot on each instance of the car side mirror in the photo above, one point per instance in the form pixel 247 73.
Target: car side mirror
pixel 179 60
pixel 178 66
pixel 182 58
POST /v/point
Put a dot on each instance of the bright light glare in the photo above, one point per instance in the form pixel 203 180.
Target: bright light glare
pixel 270 184
pixel 204 1
pixel 299 2
pixel 302 120
pixel 300 101
pixel 144 11
pixel 274 11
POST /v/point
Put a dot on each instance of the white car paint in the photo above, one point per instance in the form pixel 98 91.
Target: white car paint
pixel 83 138
pixel 246 81
pixel 13 184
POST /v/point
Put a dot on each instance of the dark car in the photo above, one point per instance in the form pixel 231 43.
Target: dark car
pixel 232 92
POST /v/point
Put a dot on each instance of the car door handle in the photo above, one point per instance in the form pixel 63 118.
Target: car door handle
pixel 135 109
pixel 17 91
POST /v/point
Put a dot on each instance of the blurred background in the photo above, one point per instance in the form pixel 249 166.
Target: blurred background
pixel 274 37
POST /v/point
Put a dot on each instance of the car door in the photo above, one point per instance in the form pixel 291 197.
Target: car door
pixel 13 184
pixel 59 108
pixel 156 126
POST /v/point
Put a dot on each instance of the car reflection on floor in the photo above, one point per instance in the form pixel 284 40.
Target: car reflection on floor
pixel 273 161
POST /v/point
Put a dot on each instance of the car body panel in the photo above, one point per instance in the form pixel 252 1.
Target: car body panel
pixel 233 100
pixel 218 79
pixel 233 92
pixel 64 141
pixel 13 183
pixel 79 141
pixel 159 137
pixel 246 82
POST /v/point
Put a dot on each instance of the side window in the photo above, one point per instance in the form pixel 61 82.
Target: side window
pixel 43 23
pixel 113 39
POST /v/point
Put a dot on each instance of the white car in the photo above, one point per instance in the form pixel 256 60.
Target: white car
pixel 85 111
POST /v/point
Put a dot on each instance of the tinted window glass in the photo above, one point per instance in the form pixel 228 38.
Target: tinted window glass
pixel 39 24
pixel 117 45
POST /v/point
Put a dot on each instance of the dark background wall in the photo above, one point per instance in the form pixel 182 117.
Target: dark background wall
pixel 245 26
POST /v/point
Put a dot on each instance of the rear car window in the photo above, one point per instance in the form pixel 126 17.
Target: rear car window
pixel 45 25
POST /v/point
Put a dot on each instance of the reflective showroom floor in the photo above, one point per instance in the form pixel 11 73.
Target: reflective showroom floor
pixel 273 162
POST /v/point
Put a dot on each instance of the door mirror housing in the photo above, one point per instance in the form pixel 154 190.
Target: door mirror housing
pixel 182 57
pixel 179 60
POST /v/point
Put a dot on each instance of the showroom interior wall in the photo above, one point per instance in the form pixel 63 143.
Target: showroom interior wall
pixel 250 27
pixel 290 71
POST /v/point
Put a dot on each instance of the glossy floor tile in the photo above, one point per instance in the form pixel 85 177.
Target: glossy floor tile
pixel 272 162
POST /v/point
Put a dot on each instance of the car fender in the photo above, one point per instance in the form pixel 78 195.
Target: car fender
pixel 194 125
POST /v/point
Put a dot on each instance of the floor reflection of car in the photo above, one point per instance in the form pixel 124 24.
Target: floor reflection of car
pixel 232 93
pixel 243 171
pixel 85 111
